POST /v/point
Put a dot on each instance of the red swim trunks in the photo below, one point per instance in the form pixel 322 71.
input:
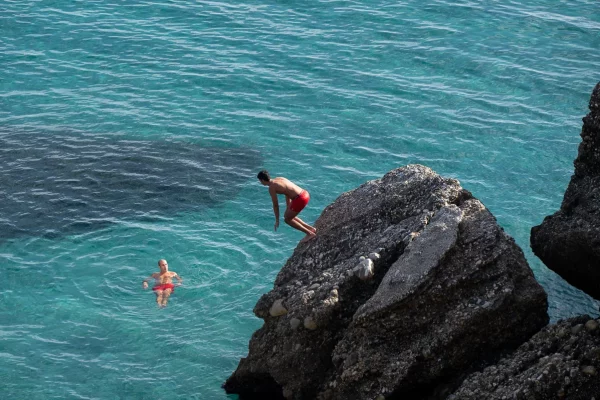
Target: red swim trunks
pixel 300 201
pixel 164 286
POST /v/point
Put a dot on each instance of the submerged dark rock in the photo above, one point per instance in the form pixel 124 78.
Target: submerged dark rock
pixel 445 291
pixel 55 184
pixel 568 242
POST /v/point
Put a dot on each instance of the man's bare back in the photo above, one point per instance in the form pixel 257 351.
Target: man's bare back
pixel 286 187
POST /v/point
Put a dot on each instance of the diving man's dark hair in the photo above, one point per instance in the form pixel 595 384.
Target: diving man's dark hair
pixel 264 175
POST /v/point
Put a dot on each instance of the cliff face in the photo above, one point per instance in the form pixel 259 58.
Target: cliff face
pixel 568 242
pixel 409 284
pixel 560 362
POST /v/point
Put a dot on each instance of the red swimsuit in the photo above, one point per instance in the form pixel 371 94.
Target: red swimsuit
pixel 300 201
pixel 164 286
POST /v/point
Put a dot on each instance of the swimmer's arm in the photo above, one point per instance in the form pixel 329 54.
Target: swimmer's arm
pixel 179 280
pixel 145 281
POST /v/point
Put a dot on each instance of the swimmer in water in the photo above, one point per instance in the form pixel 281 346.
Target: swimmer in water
pixel 163 283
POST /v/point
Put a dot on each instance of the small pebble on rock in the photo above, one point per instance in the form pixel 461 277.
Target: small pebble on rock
pixel 277 309
pixel 589 370
pixel 591 325
pixel 294 323
pixel 576 329
pixel 310 324
pixel 365 270
pixel 562 333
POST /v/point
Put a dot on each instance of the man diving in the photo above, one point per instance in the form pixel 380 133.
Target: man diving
pixel 296 199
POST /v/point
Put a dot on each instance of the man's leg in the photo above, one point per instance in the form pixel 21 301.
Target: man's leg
pixel 307 226
pixel 166 296
pixel 291 219
pixel 159 297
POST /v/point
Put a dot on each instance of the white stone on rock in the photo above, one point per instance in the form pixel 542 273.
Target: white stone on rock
pixel 589 370
pixel 294 323
pixel 591 325
pixel 277 309
pixel 310 324
pixel 365 269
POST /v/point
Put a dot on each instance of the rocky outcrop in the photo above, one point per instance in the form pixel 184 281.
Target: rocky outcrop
pixel 568 242
pixel 560 362
pixel 409 284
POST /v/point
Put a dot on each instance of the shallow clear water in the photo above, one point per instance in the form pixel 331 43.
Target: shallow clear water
pixel 133 130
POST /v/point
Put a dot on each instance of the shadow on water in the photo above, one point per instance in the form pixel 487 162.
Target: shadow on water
pixel 60 184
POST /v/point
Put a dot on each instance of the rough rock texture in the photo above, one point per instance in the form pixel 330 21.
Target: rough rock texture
pixel 560 362
pixel 568 242
pixel 448 291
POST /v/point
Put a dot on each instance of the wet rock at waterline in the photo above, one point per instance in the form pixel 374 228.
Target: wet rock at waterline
pixel 568 242
pixel 562 361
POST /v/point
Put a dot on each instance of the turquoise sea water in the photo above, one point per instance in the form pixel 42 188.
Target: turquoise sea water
pixel 133 130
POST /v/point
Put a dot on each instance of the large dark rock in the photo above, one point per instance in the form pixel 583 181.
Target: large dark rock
pixel 568 242
pixel 445 292
pixel 560 362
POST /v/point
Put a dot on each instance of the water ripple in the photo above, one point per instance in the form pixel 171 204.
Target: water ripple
pixel 132 131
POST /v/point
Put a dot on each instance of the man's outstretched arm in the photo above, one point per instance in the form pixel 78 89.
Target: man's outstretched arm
pixel 275 205
pixel 179 280
pixel 145 281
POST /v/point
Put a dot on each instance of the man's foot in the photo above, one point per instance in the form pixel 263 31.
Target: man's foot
pixel 308 237
pixel 312 229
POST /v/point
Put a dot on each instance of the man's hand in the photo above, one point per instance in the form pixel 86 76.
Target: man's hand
pixel 145 285
pixel 276 225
